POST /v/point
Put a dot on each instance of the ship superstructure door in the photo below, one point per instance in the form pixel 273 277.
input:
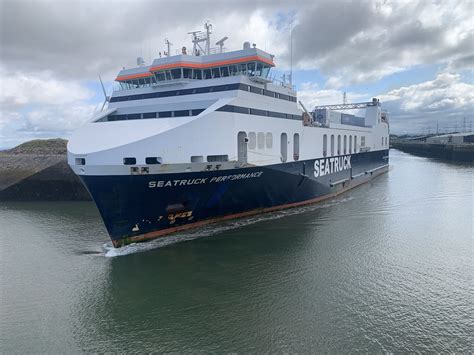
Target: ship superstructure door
pixel 242 147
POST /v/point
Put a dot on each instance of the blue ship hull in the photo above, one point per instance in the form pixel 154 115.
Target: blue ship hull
pixel 141 207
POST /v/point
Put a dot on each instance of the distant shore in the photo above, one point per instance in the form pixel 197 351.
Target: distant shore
pixel 463 152
pixel 38 171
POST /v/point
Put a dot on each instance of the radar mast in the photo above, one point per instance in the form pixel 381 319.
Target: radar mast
pixel 200 36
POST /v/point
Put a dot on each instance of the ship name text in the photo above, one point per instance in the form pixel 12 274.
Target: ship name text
pixel 205 180
pixel 327 166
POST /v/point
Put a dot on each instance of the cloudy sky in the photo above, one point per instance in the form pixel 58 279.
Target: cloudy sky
pixel 417 57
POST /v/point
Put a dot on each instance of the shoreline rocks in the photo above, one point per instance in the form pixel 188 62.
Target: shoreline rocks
pixel 38 171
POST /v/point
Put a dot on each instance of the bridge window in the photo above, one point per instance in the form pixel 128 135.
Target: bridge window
pixel 251 67
pixel 332 145
pixel 197 74
pixel 339 144
pixel 216 73
pixel 233 70
pixel 350 144
pixel 355 144
pixel 362 141
pixel 206 73
pixel 160 76
pixel 187 73
pixel 224 71
pixel 265 71
pixel 325 145
pixel 345 144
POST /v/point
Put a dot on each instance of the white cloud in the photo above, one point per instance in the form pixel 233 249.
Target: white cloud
pixel 58 118
pixel 366 41
pixel 38 105
pixel 447 91
pixel 446 101
pixel 21 88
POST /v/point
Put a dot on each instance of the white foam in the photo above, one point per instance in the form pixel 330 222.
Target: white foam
pixel 212 229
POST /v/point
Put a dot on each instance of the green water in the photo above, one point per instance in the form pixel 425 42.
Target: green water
pixel 386 267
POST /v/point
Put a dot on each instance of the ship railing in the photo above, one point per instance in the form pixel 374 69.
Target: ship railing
pixel 285 84
pixel 214 50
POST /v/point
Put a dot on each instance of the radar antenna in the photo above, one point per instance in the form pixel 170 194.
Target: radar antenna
pixel 200 36
pixel 220 43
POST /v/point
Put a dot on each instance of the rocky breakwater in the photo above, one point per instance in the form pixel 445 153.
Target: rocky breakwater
pixel 38 171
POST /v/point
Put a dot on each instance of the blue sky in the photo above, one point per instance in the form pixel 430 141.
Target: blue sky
pixel 417 57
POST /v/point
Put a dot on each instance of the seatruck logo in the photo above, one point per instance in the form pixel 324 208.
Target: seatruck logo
pixel 327 166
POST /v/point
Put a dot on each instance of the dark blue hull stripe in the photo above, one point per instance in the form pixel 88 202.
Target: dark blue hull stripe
pixel 137 207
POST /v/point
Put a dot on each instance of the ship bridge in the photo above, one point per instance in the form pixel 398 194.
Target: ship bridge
pixel 252 62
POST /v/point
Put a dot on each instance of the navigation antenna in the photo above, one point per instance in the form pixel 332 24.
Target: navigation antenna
pixel 168 44
pixel 344 98
pixel 291 56
pixel 220 43
pixel 200 36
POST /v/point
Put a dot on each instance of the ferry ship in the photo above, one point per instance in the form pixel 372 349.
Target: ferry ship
pixel 196 138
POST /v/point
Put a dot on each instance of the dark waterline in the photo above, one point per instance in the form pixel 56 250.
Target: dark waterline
pixel 385 267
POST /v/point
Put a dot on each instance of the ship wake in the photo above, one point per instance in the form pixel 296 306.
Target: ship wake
pixel 213 229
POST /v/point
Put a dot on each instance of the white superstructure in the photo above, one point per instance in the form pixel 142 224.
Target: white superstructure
pixel 200 128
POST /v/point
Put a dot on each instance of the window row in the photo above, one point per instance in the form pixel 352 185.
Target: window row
pixel 145 115
pixel 148 160
pixel 204 90
pixel 248 69
pixel 254 111
pixel 384 141
pixel 348 147
pixel 159 160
